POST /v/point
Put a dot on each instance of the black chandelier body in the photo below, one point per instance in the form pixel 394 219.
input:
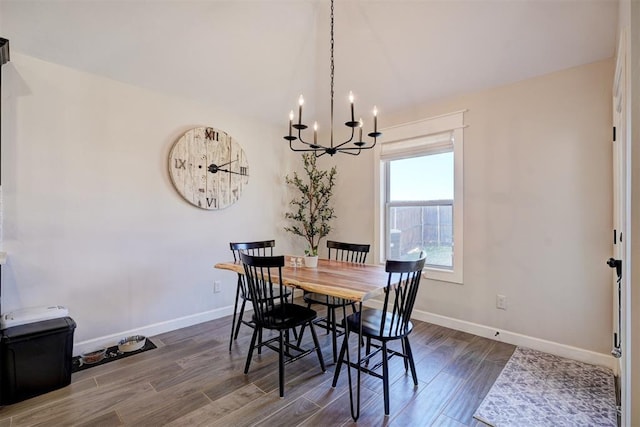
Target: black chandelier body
pixel 352 145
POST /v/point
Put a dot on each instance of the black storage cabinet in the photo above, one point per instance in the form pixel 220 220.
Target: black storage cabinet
pixel 36 358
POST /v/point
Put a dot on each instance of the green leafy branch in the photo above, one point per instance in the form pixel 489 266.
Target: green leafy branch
pixel 311 211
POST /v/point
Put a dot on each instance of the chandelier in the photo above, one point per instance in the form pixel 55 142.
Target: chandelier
pixel 354 145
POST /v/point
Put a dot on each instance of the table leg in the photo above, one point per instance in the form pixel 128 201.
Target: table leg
pixel 235 309
pixel 355 411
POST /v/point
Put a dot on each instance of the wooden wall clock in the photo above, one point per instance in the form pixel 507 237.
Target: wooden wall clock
pixel 208 168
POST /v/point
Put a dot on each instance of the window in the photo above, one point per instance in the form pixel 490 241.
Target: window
pixel 419 216
pixel 420 209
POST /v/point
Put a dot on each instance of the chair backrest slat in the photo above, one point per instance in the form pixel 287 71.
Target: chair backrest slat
pixel 258 248
pixel 400 294
pixel 351 252
pixel 262 274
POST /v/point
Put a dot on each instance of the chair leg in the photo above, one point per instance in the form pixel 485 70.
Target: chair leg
pixel 385 377
pixel 343 349
pixel 286 299
pixel 244 301
pixel 301 334
pixel 286 343
pixel 253 342
pixel 260 341
pixel 409 354
pixel 317 344
pixel 281 364
pixel 404 359
pixel 233 321
pixel 332 310
pixel 328 321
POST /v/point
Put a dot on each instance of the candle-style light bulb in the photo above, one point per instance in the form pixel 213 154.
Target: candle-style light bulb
pixel 315 132
pixel 351 101
pixel 300 103
pixel 361 125
pixel 290 121
pixel 375 119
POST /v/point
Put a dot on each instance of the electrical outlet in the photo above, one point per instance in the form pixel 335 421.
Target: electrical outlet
pixel 501 302
pixel 216 286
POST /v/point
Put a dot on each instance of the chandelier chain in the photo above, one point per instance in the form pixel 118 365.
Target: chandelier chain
pixel 332 74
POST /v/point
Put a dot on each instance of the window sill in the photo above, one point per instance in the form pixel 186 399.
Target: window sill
pixel 442 275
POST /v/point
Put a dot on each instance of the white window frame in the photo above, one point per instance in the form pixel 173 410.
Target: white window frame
pixel 427 136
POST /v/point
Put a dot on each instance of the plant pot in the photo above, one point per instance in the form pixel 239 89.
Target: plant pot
pixel 311 261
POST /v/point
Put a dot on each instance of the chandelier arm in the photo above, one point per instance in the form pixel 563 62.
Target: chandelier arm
pixel 369 147
pixel 342 150
pixel 320 147
pixel 301 149
pixel 312 147
pixel 347 141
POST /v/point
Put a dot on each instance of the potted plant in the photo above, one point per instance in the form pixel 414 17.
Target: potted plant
pixel 311 210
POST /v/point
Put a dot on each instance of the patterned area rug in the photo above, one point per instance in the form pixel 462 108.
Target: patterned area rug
pixel 540 389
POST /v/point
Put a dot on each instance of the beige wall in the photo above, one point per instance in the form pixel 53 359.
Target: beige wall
pixel 91 219
pixel 537 207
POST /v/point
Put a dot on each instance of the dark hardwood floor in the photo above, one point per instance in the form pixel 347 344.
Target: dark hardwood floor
pixel 193 379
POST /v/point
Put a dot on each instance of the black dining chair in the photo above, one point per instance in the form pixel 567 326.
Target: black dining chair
pixel 259 248
pixel 350 252
pixel 264 276
pixel 391 323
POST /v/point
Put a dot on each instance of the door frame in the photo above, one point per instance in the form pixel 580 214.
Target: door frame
pixel 621 218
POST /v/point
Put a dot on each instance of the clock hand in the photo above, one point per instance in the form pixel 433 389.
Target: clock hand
pixel 228 171
pixel 228 163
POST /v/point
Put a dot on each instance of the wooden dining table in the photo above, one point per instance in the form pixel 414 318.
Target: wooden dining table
pixel 347 280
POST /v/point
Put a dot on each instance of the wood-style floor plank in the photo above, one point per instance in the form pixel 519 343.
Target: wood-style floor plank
pixel 469 396
pixel 83 406
pixel 429 403
pixel 468 360
pixel 105 420
pixel 444 421
pixel 299 409
pixel 338 411
pixel 73 389
pixel 265 406
pixel 171 410
pixel 192 379
pixel 219 408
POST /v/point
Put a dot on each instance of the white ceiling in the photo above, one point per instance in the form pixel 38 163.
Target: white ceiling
pixel 256 57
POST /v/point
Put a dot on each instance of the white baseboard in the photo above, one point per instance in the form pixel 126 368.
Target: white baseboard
pixel 151 330
pixel 575 353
